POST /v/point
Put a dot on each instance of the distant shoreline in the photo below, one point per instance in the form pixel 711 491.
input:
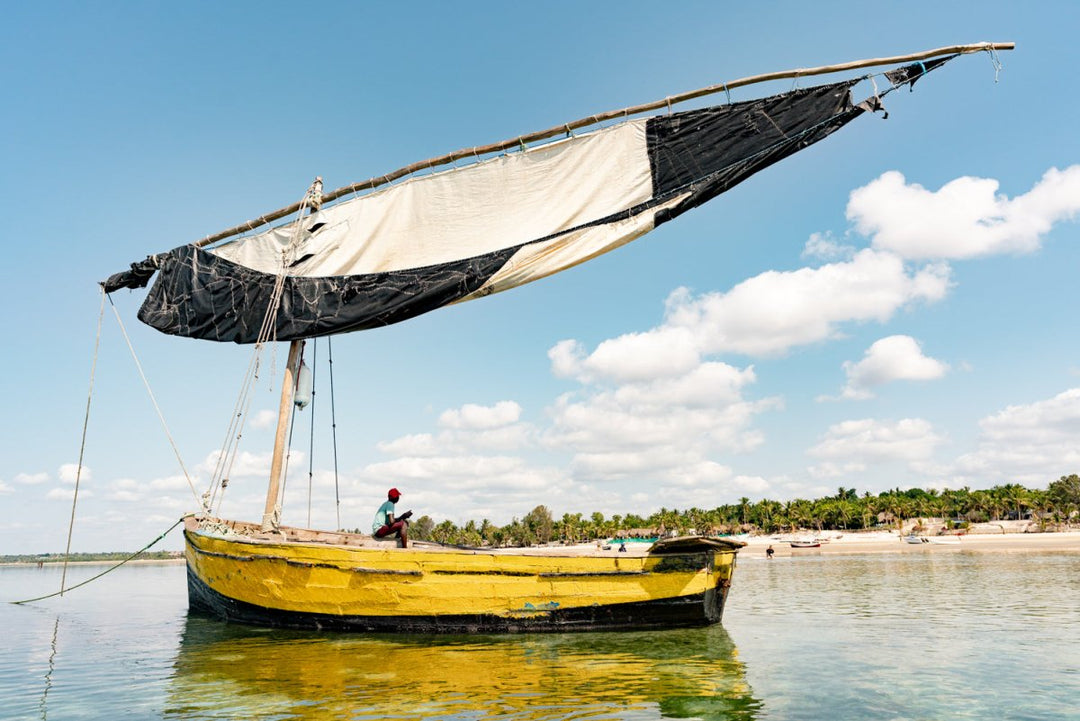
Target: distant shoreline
pixel 97 562
pixel 1011 539
pixel 841 543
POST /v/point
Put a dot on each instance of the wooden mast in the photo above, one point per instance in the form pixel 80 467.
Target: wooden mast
pixel 271 516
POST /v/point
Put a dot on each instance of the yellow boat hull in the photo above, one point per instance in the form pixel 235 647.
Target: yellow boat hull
pixel 346 582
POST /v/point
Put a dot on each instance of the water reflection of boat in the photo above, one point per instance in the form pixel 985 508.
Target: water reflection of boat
pixel 230 671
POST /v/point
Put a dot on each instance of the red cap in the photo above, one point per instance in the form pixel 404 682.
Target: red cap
pixel 393 494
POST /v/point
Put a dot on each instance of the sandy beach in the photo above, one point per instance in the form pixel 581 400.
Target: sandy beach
pixel 839 543
pixel 999 537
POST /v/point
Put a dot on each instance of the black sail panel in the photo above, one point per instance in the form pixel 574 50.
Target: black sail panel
pixel 483 228
pixel 199 295
pixel 713 149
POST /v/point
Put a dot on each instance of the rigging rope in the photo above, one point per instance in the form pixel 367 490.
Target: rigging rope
pixel 235 431
pixel 311 435
pixel 82 444
pixel 312 200
pixel 108 570
pixel 267 334
pixel 153 400
pixel 995 60
pixel 333 428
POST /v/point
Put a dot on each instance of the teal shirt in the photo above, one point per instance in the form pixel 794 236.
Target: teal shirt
pixel 381 516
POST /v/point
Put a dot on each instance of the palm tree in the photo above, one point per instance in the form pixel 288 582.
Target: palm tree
pixel 569 529
pixel 744 510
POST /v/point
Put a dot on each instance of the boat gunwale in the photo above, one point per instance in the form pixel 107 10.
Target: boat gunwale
pixel 291 537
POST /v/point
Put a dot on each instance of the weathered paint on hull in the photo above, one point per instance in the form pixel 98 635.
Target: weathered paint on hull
pixel 685 611
pixel 304 585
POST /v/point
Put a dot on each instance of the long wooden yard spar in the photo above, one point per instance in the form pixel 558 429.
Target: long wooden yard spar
pixel 595 119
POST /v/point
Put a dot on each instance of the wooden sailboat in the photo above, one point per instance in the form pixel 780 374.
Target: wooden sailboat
pixel 397 251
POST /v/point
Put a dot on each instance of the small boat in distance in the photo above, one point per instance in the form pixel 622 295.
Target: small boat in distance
pixel 815 543
pixel 935 540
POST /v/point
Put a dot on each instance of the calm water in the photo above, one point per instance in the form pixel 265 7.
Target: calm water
pixel 936 635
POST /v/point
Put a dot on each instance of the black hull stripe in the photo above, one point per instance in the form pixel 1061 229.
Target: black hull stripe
pixel 700 609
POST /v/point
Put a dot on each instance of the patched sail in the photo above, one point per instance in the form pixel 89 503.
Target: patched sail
pixel 494 224
pixel 487 227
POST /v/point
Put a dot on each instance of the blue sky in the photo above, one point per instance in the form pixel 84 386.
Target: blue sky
pixel 892 307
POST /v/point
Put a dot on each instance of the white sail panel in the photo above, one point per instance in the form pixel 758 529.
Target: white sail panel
pixel 438 239
pixel 538 260
pixel 463 213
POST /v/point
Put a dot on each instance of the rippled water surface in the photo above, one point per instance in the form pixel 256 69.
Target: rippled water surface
pixel 937 635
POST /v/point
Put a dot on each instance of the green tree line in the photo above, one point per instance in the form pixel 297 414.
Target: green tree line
pixel 1054 507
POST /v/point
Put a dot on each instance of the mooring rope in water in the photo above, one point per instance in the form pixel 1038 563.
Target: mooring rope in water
pixel 107 570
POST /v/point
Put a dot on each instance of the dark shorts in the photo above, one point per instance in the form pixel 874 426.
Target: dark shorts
pixel 391 529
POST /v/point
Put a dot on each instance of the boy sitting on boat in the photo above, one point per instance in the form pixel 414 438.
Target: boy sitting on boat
pixel 386 525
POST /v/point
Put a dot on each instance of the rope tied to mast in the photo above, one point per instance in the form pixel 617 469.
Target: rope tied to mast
pixel 995 60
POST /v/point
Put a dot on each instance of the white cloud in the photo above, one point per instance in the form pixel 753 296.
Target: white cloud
pixel 31 479
pixel 69 471
pixel 245 464
pixel 651 421
pixel 471 427
pixel 658 412
pixel 264 419
pixel 1031 444
pixel 170 483
pixel 897 357
pixel 463 472
pixel 966 218
pixel 765 315
pixel 829 469
pixel 477 455
pixel 751 484
pixel 823 246
pixel 851 444
pixel 775 311
pixel 5 488
pixel 662 352
pixel 126 490
pixel 66 494
pixel 416 444
pixel 475 417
